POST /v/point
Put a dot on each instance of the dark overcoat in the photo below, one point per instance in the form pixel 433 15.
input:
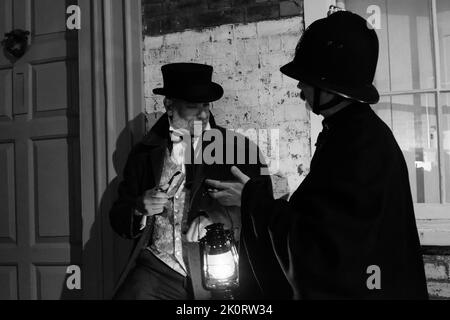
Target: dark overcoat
pixel 143 172
pixel 348 231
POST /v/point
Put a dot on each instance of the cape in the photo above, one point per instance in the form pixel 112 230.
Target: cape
pixel 349 230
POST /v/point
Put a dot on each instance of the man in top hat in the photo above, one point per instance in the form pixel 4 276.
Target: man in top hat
pixel 164 263
pixel 348 231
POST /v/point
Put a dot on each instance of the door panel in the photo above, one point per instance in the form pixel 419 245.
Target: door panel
pixel 52 182
pixel 40 216
pixel 47 277
pixel 51 86
pixel 8 279
pixel 5 94
pixel 7 196
pixel 48 17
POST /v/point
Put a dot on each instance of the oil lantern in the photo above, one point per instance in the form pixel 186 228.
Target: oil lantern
pixel 220 261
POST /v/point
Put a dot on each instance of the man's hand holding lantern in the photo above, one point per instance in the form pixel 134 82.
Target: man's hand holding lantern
pixel 197 229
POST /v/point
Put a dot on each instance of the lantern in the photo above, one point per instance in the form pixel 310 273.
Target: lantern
pixel 220 261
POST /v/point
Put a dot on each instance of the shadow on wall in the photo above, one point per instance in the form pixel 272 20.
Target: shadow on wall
pixel 115 250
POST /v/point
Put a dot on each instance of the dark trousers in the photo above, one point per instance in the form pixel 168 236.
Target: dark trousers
pixel 152 279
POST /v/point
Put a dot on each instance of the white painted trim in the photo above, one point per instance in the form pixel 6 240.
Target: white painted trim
pixel 434 232
pixel 111 95
pixel 435 211
pixel 433 223
pixel 92 258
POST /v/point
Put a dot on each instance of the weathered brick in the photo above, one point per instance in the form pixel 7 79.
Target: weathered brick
pixel 438 290
pixel 221 33
pixel 184 21
pixel 252 89
pixel 289 43
pixel 436 271
pixel 219 4
pixel 289 8
pixel 155 42
pixel 152 26
pixel 248 97
pixel 247 53
pixel 154 9
pixel 246 31
pixel 274 27
pixel 295 111
pixel 191 5
pixel 145 2
pixel 214 18
pixel 263 12
pixel 274 59
pixel 224 50
pixel 280 184
pixel 240 3
pixel 178 15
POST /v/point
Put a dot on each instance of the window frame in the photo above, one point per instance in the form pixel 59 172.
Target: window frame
pixel 433 219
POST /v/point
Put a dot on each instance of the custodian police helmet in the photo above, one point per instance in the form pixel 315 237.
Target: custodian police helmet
pixel 338 54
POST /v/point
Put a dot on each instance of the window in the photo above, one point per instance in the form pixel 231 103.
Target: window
pixel 413 78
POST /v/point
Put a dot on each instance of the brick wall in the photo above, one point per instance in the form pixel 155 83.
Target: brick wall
pixel 246 60
pixel 247 41
pixel 166 16
pixel 437 269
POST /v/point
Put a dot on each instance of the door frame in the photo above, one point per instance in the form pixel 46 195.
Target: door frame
pixel 110 94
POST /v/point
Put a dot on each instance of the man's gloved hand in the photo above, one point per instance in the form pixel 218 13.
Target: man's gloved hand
pixel 228 193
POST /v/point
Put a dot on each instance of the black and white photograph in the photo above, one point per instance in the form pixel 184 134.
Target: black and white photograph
pixel 224 155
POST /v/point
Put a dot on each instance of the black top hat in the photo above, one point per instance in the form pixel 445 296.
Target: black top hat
pixel 190 82
pixel 338 54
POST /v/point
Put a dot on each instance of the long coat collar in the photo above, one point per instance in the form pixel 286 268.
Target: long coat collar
pixel 345 115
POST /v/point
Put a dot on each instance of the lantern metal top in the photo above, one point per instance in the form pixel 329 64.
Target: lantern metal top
pixel 216 236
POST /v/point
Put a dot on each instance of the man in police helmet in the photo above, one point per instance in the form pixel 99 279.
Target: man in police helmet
pixel 349 230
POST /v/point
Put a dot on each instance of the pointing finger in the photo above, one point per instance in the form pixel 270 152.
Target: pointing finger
pixel 239 175
pixel 216 183
pixel 218 195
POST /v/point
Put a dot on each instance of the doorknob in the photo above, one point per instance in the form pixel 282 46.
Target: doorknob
pixel 16 42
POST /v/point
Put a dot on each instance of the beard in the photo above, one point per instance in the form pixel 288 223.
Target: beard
pixel 193 126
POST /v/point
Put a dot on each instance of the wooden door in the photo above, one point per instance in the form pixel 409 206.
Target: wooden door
pixel 40 218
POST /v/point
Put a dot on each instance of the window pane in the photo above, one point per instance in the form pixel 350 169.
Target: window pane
pixel 360 7
pixel 445 98
pixel 406 59
pixel 410 45
pixel 443 17
pixel 412 119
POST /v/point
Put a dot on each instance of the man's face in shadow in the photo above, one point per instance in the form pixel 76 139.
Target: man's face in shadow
pixel 184 114
pixel 307 95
